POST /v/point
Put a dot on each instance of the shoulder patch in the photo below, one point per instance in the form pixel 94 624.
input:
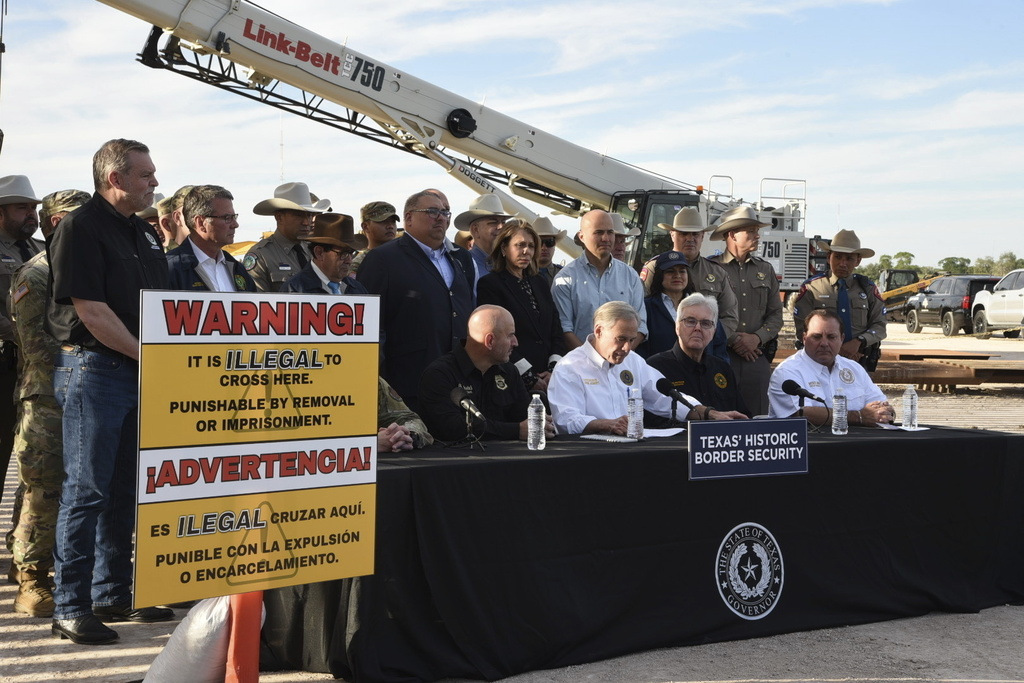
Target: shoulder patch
pixel 249 262
pixel 20 293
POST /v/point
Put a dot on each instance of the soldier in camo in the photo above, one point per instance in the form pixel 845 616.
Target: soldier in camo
pixel 399 428
pixel 38 444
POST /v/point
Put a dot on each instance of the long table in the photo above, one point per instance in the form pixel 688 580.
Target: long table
pixel 491 564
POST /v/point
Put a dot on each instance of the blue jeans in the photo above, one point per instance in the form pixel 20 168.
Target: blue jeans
pixel 93 551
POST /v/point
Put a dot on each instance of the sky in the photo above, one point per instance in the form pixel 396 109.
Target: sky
pixel 905 117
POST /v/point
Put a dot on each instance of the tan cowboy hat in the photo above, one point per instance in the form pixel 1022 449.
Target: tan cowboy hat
pixel 737 218
pixel 483 206
pixel 16 189
pixel 462 238
pixel 545 228
pixel 336 229
pixel 687 220
pixel 293 196
pixel 847 242
pixel 620 225
pixel 150 211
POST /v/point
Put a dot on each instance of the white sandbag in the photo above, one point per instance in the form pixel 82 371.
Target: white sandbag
pixel 197 651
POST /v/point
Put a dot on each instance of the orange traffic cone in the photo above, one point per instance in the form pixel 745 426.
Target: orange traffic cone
pixel 244 642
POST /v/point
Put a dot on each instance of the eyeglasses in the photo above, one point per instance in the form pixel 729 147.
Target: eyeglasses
pixel 548 242
pixel 433 212
pixel 227 217
pixel 693 322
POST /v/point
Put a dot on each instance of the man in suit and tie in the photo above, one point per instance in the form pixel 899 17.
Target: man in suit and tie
pixel 426 287
pixel 201 264
pixel 332 246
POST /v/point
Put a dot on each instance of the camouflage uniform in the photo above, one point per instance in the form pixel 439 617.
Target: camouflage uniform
pixel 391 408
pixel 356 260
pixel 272 261
pixel 38 443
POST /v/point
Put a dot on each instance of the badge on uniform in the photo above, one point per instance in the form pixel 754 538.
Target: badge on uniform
pixel 239 283
pixel 153 244
pixel 846 374
pixel 627 377
pixel 863 295
pixel 499 381
pixel 710 277
pixel 720 381
pixel 760 276
pixel 249 262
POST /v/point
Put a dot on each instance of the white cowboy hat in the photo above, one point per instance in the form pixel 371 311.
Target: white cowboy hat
pixel 620 225
pixel 483 206
pixel 737 218
pixel 687 220
pixel 293 196
pixel 847 242
pixel 150 211
pixel 16 189
pixel 545 228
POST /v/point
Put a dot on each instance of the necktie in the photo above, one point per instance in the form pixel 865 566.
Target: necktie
pixel 300 255
pixel 334 287
pixel 843 302
pixel 26 253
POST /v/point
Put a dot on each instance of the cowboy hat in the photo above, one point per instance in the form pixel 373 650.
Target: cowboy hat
pixel 482 207
pixel 687 220
pixel 16 189
pixel 150 211
pixel 847 242
pixel 337 230
pixel 620 225
pixel 462 238
pixel 294 197
pixel 737 218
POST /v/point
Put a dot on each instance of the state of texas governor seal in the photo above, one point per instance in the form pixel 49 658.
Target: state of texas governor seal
pixel 749 571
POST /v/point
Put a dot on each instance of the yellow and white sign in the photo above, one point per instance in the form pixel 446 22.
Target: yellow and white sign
pixel 257 432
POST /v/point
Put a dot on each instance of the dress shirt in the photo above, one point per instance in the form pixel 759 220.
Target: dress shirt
pixel 579 291
pixel 821 381
pixel 585 387
pixel 438 258
pixel 217 271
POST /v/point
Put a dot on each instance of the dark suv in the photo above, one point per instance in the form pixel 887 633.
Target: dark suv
pixel 947 303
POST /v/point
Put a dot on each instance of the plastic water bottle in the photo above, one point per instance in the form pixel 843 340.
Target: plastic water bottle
pixel 535 437
pixel 635 414
pixel 839 415
pixel 910 407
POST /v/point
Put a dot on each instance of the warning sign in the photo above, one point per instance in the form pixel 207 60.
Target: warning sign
pixel 257 431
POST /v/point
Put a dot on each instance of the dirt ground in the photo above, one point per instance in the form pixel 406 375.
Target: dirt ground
pixel 984 647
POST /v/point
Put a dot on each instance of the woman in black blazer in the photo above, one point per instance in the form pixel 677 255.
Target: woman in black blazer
pixel 671 285
pixel 514 284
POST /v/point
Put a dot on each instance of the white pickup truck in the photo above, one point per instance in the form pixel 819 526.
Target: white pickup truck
pixel 1002 308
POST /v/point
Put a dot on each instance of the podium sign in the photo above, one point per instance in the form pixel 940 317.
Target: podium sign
pixel 747 448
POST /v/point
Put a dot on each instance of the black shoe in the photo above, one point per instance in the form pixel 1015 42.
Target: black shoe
pixel 143 615
pixel 85 630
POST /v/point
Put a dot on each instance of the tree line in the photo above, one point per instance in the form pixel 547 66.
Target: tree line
pixel 953 265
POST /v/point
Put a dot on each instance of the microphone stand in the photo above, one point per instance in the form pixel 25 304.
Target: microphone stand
pixel 800 413
pixel 472 439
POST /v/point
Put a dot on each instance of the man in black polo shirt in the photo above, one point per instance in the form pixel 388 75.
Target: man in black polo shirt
pixel 483 370
pixel 691 370
pixel 101 256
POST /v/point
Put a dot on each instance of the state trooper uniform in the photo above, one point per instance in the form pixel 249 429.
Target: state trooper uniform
pixel 865 311
pixel 276 259
pixel 758 309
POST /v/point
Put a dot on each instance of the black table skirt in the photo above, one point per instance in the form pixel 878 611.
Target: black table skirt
pixel 493 564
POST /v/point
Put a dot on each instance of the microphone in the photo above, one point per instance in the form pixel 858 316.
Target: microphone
pixel 664 385
pixel 526 372
pixel 460 397
pixel 794 389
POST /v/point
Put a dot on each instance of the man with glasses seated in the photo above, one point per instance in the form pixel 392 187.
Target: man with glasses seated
pixel 201 264
pixel 692 371
pixel 276 259
pixel 333 244
pixel 425 285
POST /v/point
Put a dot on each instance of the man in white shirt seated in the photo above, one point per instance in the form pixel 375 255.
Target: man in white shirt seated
pixel 200 263
pixel 819 368
pixel 589 387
